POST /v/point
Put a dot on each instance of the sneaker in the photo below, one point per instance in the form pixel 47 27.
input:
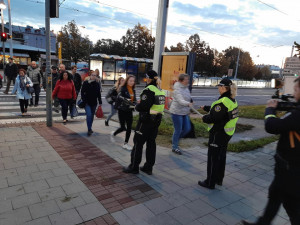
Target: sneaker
pixel 65 122
pixel 106 123
pixel 127 146
pixel 177 151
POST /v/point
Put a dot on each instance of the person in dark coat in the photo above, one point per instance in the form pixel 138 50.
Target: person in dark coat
pixel 36 76
pixel 285 187
pixel 55 78
pixel 76 79
pixel 125 110
pixel 90 93
pixel 11 72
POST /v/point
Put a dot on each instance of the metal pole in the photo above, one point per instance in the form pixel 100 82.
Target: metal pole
pixel 48 64
pixel 10 30
pixel 3 43
pixel 160 34
pixel 237 64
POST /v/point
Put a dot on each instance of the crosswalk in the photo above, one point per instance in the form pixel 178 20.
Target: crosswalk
pixel 10 110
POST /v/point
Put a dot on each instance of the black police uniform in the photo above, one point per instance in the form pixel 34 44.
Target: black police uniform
pixel 145 132
pixel 285 188
pixel 217 144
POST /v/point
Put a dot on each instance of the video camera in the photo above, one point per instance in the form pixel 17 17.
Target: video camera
pixel 285 104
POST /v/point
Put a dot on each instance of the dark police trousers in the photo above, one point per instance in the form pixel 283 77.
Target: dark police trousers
pixel 145 133
pixel 216 157
pixel 285 190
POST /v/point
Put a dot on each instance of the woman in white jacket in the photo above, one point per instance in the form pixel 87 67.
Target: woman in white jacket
pixel 180 109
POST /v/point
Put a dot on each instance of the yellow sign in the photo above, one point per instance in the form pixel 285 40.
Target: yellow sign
pixel 172 66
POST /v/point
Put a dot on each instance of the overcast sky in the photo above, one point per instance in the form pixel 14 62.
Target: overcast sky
pixel 265 28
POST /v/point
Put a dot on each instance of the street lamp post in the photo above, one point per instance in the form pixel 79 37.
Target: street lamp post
pixel 237 63
pixel 10 30
pixel 3 6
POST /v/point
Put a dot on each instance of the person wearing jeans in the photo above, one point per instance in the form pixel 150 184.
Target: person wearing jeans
pixel 180 108
pixel 90 93
pixel 21 85
pixel 36 76
pixel 65 91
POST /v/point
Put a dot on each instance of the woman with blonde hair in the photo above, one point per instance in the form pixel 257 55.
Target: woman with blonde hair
pixel 111 98
pixel 221 120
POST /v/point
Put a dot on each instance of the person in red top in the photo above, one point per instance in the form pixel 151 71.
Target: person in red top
pixel 65 92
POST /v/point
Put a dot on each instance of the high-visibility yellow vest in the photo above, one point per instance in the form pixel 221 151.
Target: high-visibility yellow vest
pixel 232 108
pixel 159 102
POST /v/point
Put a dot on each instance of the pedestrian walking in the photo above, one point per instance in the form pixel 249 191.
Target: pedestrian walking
pixel 55 78
pixel 126 96
pixel 66 94
pixel 76 79
pixel 36 76
pixel 62 68
pixel 180 109
pixel 90 93
pixel 285 186
pixel 221 120
pixel 22 84
pixel 150 110
pixel 111 98
pixel 11 72
pixel 98 78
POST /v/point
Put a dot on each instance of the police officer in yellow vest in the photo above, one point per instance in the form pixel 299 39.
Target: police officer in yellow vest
pixel 150 108
pixel 221 120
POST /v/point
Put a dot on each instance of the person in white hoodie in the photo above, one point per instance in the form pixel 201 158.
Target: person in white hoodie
pixel 180 109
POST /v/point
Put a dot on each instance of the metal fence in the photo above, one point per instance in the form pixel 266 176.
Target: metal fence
pixel 208 82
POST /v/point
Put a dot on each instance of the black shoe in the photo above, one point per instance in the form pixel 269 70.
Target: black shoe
pixel 147 171
pixel 204 184
pixel 31 104
pixel 130 170
pixel 89 133
pixel 247 223
pixel 106 123
pixel 72 117
pixel 56 110
pixel 65 122
pixel 4 92
pixel 92 131
pixel 177 151
pixel 220 183
pixel 36 105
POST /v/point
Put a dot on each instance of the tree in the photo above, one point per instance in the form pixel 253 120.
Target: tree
pixel 266 73
pixel 221 64
pixel 179 48
pixel 204 54
pixel 258 75
pixel 74 46
pixel 246 69
pixel 109 46
pixel 138 42
pixel 297 48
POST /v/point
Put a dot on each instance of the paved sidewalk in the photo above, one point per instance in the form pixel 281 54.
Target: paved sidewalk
pixel 59 175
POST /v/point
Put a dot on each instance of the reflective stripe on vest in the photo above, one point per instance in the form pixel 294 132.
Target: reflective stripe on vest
pixel 159 102
pixel 268 116
pixel 229 127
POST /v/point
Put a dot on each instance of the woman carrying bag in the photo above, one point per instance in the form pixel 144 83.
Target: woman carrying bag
pixel 126 98
pixel 90 93
pixel 180 109
pixel 22 86
pixel 66 94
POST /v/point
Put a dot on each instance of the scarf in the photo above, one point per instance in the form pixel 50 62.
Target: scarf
pixel 22 82
pixel 129 88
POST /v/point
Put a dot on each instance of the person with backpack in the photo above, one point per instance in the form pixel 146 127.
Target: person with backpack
pixel 126 98
pixel 111 98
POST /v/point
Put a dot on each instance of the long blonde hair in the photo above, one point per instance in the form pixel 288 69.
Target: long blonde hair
pixel 233 90
pixel 118 83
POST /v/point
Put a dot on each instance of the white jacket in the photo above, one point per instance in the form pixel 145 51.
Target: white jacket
pixel 181 99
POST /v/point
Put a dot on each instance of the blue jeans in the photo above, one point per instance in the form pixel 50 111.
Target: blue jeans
pixel 90 113
pixel 112 112
pixel 182 127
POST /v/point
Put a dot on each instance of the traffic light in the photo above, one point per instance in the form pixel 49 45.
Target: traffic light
pixel 54 8
pixel 3 36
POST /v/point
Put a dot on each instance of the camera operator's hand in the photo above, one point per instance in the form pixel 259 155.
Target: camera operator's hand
pixel 272 103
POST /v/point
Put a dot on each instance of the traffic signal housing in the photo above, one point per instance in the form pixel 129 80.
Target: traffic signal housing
pixel 3 36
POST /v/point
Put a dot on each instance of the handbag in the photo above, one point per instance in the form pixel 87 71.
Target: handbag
pixel 99 112
pixel 29 89
pixel 81 104
pixel 74 111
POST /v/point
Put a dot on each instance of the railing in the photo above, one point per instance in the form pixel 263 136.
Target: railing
pixel 208 82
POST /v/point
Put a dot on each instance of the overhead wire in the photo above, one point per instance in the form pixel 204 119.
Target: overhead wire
pixel 176 33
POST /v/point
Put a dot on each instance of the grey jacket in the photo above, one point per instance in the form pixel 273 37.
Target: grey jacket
pixel 181 99
pixel 35 75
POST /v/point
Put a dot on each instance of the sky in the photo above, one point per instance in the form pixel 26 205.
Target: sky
pixel 266 29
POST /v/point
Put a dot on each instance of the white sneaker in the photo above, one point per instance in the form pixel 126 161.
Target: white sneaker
pixel 127 146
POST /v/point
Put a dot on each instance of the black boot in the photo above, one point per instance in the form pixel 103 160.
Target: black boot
pixel 146 170
pixel 204 184
pixel 130 170
pixel 106 123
